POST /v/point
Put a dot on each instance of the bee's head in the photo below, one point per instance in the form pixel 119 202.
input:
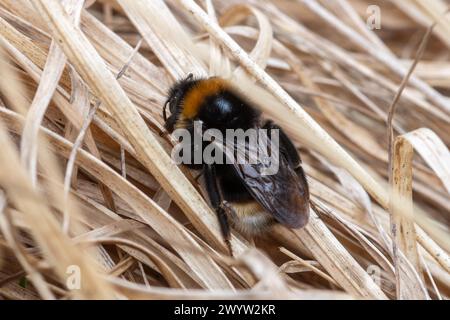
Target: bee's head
pixel 175 100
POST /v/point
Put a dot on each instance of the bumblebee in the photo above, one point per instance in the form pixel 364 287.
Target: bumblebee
pixel 241 196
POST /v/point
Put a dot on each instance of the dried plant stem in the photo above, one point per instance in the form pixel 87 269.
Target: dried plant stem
pixel 70 163
pixel 49 80
pixel 402 225
pixel 392 108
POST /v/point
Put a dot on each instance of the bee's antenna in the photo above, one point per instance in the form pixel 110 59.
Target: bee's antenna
pixel 164 110
pixel 190 76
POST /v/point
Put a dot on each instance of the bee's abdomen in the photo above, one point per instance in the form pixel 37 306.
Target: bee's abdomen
pixel 251 218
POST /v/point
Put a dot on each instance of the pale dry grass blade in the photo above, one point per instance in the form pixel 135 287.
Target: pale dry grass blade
pixel 53 243
pixel 53 69
pixel 146 15
pixel 433 151
pixel 263 47
pixel 36 277
pixel 384 57
pixel 437 11
pixel 71 162
pixel 337 260
pixel 140 292
pixel 308 266
pixel 218 63
pixel 347 9
pixel 79 140
pixel 413 9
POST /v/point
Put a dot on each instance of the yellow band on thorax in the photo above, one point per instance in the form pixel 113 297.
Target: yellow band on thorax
pixel 196 95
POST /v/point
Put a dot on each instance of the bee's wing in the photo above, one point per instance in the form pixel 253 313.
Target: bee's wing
pixel 283 194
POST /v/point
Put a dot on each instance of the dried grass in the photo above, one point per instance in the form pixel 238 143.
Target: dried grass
pixel 82 90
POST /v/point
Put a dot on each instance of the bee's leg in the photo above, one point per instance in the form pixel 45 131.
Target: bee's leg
pixel 220 206
pixel 229 210
pixel 199 175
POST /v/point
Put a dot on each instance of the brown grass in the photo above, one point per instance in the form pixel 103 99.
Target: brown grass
pixel 87 184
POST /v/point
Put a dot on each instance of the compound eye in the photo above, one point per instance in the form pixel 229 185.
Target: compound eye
pixel 173 103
